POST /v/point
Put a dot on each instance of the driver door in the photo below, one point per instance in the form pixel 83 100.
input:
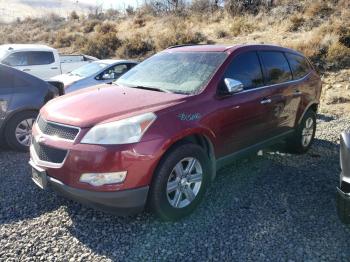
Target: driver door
pixel 242 119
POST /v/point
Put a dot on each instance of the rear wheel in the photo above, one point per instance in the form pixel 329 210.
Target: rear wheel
pixel 18 131
pixel 304 135
pixel 180 182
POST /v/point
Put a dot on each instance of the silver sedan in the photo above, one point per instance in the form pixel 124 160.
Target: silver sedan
pixel 94 73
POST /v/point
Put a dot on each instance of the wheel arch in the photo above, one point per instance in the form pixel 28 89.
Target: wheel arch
pixel 14 113
pixel 312 105
pixel 199 138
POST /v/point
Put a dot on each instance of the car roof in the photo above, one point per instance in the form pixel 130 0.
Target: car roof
pixel 24 47
pixel 228 48
pixel 114 61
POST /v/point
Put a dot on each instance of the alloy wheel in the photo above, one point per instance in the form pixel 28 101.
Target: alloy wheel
pixel 184 182
pixel 23 131
pixel 308 132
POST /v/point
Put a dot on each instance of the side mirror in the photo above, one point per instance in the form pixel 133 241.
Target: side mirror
pixel 233 86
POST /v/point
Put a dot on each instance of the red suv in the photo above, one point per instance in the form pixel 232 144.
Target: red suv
pixel 157 135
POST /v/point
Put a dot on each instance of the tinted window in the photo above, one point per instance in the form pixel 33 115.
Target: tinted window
pixel 16 59
pixel 299 65
pixel 246 68
pixel 29 58
pixel 40 58
pixel 6 79
pixel 276 68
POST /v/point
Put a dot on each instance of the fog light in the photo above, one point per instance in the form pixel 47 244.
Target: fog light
pixel 99 179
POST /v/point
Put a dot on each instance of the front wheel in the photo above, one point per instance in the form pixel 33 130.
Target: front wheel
pixel 180 182
pixel 304 135
pixel 18 131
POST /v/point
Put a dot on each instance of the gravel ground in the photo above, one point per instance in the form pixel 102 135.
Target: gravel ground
pixel 275 207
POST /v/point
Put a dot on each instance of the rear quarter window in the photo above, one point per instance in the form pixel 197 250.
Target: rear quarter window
pixel 276 68
pixel 299 65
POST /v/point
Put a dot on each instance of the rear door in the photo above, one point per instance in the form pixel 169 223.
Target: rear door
pixel 43 65
pixel 304 87
pixel 242 117
pixel 282 103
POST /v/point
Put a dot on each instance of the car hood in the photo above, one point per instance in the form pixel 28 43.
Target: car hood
pixel 106 103
pixel 66 79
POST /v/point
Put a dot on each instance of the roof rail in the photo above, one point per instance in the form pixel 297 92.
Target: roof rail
pixel 175 46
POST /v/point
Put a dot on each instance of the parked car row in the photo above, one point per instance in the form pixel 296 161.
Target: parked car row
pixel 156 136
pixel 22 94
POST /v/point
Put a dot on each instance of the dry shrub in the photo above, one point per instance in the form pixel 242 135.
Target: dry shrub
pixel 102 45
pixel 106 28
pixel 318 8
pixel 219 33
pixel 179 38
pixel 63 40
pixel 241 25
pixel 89 25
pixel 338 55
pixel 137 45
pixel 139 22
pixel 296 21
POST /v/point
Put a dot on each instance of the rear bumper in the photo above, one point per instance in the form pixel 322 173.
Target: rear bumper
pixel 124 202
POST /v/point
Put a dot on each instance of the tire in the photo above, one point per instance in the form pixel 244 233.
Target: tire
pixel 304 134
pixel 20 121
pixel 162 203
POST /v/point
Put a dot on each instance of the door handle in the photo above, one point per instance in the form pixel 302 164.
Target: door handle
pixel 26 70
pixel 266 101
pixel 54 68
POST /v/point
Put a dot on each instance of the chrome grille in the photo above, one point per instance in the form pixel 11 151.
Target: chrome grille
pixel 57 130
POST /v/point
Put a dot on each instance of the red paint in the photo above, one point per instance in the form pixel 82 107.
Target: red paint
pixel 230 123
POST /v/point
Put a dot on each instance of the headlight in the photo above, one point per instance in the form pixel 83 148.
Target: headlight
pixel 99 179
pixel 125 131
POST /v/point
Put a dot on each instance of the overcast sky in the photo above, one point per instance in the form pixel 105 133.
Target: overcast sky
pixel 111 3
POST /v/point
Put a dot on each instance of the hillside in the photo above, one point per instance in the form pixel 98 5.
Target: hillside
pixel 11 10
pixel 318 28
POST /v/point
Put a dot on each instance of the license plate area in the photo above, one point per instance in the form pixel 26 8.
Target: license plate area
pixel 39 176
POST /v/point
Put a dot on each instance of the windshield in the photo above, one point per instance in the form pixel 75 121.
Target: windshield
pixel 178 72
pixel 89 69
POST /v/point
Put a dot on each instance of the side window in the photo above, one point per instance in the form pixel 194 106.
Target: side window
pixel 276 68
pixel 117 71
pixel 6 79
pixel 299 65
pixel 246 68
pixel 40 58
pixel 16 59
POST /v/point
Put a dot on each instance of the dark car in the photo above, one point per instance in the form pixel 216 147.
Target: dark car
pixel 343 194
pixel 21 97
pixel 157 136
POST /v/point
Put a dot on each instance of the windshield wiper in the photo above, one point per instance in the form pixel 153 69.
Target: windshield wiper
pixel 152 88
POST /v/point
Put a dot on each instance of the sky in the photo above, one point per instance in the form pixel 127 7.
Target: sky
pixel 111 3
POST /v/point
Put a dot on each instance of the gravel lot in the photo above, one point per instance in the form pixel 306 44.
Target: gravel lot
pixel 275 207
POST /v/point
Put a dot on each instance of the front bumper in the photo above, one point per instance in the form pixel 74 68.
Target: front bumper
pixel 125 202
pixel 343 206
pixel 343 191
